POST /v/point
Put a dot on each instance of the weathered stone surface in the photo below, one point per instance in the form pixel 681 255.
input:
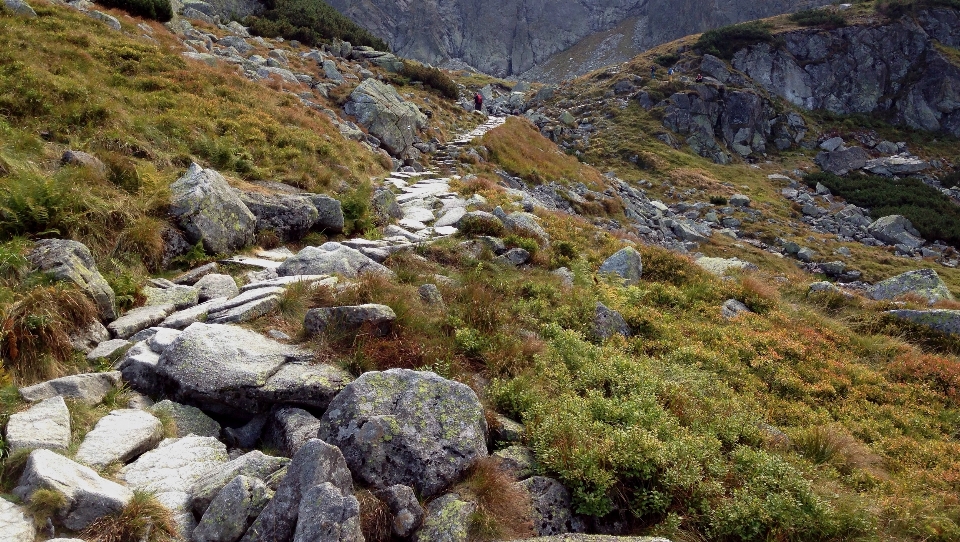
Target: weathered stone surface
pixel 208 484
pixel 231 370
pixel 889 166
pixel 331 259
pixel 182 319
pixel 329 213
pixel 290 216
pixel 514 257
pixel 89 388
pixel 447 519
pixel 626 263
pixel 19 7
pixel 214 285
pixel 108 349
pixel 740 200
pixel 119 437
pixel 480 222
pixel 316 463
pixel 552 512
pixel 181 297
pixel 527 225
pixel 576 537
pixel 139 319
pixel 922 282
pixel 288 429
pixel 518 460
pixel 106 18
pixel 245 312
pixel 188 419
pixel 824 286
pixel 896 230
pixel 86 339
pixel 70 261
pixel 732 308
pixel 232 511
pixel 139 368
pixel 430 294
pixel 722 266
pixel 170 470
pixel 87 496
pixel 608 322
pixel 405 508
pixel 210 211
pixel 377 319
pixel 406 427
pixel 16 523
pixel 942 320
pixel 327 514
pixel 843 161
pixel 44 425
pixel 192 276
pixel 380 109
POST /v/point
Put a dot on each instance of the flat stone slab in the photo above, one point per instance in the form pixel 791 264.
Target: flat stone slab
pixel 450 217
pixel 16 523
pixel 89 388
pixel 190 420
pixel 139 319
pixel 286 281
pixel 419 214
pixel 44 425
pixel 245 313
pixel 279 254
pixel 192 276
pixel 182 319
pixel 108 349
pixel 445 230
pixel 247 297
pixel 262 263
pixel 120 436
pixel 180 296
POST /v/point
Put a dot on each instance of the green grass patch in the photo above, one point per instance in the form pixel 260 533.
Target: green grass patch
pixel 932 213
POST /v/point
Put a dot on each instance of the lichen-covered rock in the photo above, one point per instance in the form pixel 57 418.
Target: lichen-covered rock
pixel 327 514
pixel 119 437
pixel 290 216
pixel 87 496
pixel 19 7
pixel 189 420
pixel 70 261
pixel 921 282
pixel 942 320
pixel 232 511
pixel 514 257
pixel 517 460
pixel 288 429
pixel 376 319
pixel 16 523
pixel 552 512
pixel 331 259
pixel 329 213
pixel 183 319
pixel 404 507
pixel 381 110
pixel 608 322
pixel 86 339
pixel 44 425
pixel 406 427
pixel 480 223
pixel 626 263
pixel 842 161
pixel 230 370
pixel 896 230
pixel 732 308
pixel 447 520
pixel 723 266
pixel 824 286
pixel 430 294
pixel 527 225
pixel 210 211
pixel 108 350
pixel 181 297
pixel 316 464
pixel 255 464
pixel 89 388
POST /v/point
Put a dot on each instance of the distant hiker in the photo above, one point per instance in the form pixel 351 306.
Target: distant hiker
pixel 699 77
pixel 670 74
pixel 653 72
pixel 478 102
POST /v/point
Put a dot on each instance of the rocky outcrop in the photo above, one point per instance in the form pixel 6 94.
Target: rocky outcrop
pixel 394 121
pixel 895 69
pixel 89 388
pixel 942 320
pixel 209 211
pixel 924 283
pixel 70 261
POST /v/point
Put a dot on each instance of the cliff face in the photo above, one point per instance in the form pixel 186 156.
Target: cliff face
pixel 511 37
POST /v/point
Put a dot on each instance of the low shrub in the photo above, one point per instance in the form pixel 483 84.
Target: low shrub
pixel 896 9
pixel 159 10
pixel 724 42
pixel 434 78
pixel 667 60
pixel 310 22
pixel 934 215
pixel 718 200
pixel 824 18
pixel 143 519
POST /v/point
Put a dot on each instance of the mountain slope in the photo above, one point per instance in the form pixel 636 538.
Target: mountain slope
pixel 514 37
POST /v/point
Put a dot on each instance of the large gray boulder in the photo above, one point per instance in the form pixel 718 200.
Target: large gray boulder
pixel 552 507
pixel 44 425
pixel 329 213
pixel 842 161
pixel 290 216
pixel 70 261
pixel 316 464
pixel 381 110
pixel 87 496
pixel 119 437
pixel 921 282
pixel 527 225
pixel 89 388
pixel 170 471
pixel 215 285
pixel 625 263
pixel 327 514
pixel 896 230
pixel 406 427
pixel 230 370
pixel 377 319
pixel 232 511
pixel 208 210
pixel 253 464
pixel 181 297
pixel 16 523
pixel 189 420
pixel 331 259
pixel 942 320
pixel 608 322
pixel 447 519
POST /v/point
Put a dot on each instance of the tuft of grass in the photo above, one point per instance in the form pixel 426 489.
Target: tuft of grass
pixel 503 507
pixel 376 521
pixel 44 503
pixel 36 329
pixel 11 468
pixel 143 519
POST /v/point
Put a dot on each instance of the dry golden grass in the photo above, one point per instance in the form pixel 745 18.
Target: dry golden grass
pixel 143 519
pixel 376 521
pixel 503 507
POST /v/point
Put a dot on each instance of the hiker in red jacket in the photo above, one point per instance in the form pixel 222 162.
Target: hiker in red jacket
pixel 478 102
